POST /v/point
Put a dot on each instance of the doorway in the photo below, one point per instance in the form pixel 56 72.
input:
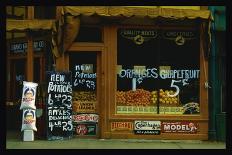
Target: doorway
pixel 85 69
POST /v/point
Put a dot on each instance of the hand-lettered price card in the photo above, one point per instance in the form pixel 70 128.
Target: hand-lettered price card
pixel 59 105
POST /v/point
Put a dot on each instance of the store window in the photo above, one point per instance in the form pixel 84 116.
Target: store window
pixel 16 78
pixel 158 71
pixel 17 65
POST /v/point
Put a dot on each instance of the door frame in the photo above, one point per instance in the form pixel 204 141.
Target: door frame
pixel 99 49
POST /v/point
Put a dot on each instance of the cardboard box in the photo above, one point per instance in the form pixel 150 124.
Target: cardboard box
pixel 28 135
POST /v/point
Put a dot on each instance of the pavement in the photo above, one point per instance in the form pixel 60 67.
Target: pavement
pixel 14 140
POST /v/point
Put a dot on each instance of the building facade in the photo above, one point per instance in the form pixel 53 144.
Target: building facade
pixel 143 71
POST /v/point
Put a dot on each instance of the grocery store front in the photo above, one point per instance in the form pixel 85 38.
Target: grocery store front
pixel 138 72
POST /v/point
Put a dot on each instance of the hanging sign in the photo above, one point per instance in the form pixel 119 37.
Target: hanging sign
pixel 59 105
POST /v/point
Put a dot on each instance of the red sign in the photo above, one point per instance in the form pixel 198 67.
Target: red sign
pixel 179 127
pixel 85 118
pixel 81 129
pixel 121 126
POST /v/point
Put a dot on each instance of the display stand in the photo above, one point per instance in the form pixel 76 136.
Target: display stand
pixel 28 135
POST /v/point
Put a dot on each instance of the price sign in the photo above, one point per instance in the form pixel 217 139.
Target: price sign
pixel 59 105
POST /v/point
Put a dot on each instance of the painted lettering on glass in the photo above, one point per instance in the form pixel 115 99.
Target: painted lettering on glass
pixel 84 76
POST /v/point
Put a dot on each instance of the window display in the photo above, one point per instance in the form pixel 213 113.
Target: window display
pixel 157 71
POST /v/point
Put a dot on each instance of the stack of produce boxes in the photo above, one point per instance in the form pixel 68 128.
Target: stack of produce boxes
pixel 141 98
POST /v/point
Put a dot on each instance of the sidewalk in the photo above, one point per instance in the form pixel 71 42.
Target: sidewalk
pixel 14 141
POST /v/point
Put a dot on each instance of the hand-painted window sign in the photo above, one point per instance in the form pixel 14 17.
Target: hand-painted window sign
pixel 138 75
pixel 84 76
pixel 147 127
pixel 22 46
pixel 180 37
pixel 138 36
pixel 179 127
pixel 59 105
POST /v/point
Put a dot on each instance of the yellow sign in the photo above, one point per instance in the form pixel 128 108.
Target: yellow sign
pixel 140 69
pixel 136 109
pixel 84 106
pixel 87 68
pixel 171 110
pixel 119 68
pixel 164 69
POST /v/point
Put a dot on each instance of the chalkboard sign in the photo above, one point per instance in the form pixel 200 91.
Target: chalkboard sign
pixel 59 105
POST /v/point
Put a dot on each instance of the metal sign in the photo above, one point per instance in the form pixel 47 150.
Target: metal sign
pixel 147 127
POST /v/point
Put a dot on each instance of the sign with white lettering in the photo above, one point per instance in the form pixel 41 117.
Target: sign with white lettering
pixel 179 127
pixel 59 105
pixel 84 76
pixel 147 127
pixel 21 47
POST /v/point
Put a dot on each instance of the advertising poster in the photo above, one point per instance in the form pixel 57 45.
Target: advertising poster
pixel 179 127
pixel 147 127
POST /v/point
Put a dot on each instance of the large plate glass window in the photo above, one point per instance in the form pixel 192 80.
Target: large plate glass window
pixel 158 71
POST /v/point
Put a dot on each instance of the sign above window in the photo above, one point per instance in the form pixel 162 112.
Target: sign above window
pixel 179 37
pixel 138 36
pixel 21 47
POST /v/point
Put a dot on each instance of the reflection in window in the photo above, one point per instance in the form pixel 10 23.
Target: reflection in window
pixel 157 72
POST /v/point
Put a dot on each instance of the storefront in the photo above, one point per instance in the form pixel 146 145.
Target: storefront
pixel 137 72
pixel 143 71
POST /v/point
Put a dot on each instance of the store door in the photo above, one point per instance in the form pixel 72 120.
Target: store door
pixel 85 82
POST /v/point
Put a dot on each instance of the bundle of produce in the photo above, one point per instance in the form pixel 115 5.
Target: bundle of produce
pixel 84 96
pixel 191 108
pixel 120 97
pixel 139 97
pixel 165 99
pixel 154 97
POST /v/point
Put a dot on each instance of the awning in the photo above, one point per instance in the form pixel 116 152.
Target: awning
pixel 73 12
pixel 22 25
pixel 116 11
pixel 38 24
